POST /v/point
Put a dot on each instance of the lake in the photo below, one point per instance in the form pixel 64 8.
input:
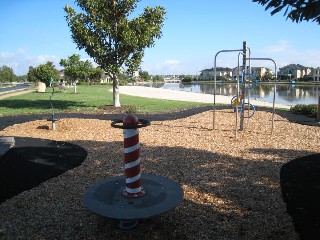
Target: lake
pixel 286 93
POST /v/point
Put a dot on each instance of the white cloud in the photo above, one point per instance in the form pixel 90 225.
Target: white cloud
pixel 280 47
pixel 284 53
pixel 171 62
pixel 20 61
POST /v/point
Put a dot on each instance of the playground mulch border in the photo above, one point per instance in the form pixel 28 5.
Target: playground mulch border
pixel 232 186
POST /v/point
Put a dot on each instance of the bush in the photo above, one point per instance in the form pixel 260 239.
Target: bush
pixel 309 110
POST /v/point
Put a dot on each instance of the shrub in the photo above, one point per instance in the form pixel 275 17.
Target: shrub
pixel 309 110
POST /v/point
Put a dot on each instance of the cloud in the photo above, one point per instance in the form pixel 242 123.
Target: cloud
pixel 169 66
pixel 284 53
pixel 20 61
pixel 280 47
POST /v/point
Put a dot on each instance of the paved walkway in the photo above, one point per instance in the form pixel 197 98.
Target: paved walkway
pixel 15 93
pixel 170 94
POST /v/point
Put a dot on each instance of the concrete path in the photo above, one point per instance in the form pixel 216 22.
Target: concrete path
pixel 169 94
pixel 14 93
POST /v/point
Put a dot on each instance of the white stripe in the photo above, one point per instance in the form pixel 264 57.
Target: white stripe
pixel 131 149
pixel 133 190
pixel 133 179
pixel 127 133
pixel 132 164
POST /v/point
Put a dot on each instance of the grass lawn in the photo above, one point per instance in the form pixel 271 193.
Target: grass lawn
pixel 87 99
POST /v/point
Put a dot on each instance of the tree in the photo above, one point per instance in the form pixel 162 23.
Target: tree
pixel 31 75
pixel 45 72
pixel 157 78
pixel 95 75
pixel 144 75
pixel 296 10
pixel 108 33
pixel 7 75
pixel 268 74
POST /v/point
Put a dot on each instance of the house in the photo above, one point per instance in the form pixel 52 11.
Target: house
pixel 316 74
pixel 221 72
pixel 292 71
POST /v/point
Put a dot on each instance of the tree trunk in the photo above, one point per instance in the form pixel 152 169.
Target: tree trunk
pixel 116 95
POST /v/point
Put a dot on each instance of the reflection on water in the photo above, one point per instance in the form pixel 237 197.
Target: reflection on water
pixel 285 94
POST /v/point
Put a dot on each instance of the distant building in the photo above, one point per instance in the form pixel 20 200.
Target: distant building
pixel 316 74
pixel 294 71
pixel 221 72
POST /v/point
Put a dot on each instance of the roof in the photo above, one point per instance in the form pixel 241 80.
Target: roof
pixel 294 67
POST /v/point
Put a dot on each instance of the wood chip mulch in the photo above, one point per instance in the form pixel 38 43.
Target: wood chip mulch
pixel 231 185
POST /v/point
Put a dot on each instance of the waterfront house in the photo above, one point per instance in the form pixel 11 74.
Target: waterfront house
pixel 316 74
pixel 294 71
pixel 221 72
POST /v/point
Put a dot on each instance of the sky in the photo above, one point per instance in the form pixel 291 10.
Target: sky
pixel 35 31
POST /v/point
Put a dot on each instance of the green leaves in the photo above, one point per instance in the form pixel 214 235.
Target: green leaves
pixel 45 71
pixel 106 33
pixel 296 10
pixel 75 68
pixel 109 37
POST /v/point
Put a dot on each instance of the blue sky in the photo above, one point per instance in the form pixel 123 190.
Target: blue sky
pixel 35 31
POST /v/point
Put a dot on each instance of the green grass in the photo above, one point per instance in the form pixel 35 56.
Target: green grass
pixel 87 99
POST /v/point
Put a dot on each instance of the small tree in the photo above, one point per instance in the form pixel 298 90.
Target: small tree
pixel 45 72
pixel 268 74
pixel 144 75
pixel 296 10
pixel 95 75
pixel 75 69
pixel 157 78
pixel 109 34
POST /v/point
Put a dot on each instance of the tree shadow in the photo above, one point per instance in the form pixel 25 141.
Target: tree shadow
pixel 41 104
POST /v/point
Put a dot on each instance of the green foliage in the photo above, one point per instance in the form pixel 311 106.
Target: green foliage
pixel 157 78
pixel 45 72
pixel 187 79
pixel 7 75
pixel 309 109
pixel 106 31
pixel 31 75
pixel 268 75
pixel 296 10
pixel 76 69
pixel 144 75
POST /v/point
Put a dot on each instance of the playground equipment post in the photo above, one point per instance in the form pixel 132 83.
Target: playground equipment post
pixel 318 110
pixel 244 60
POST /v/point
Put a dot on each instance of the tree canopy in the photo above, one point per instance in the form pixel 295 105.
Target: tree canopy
pixel 106 30
pixel 296 10
pixel 7 75
pixel 44 72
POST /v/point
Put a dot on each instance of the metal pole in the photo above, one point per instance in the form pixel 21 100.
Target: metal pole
pixel 244 60
pixel 275 86
pixel 248 118
pixel 238 88
pixel 318 110
pixel 215 85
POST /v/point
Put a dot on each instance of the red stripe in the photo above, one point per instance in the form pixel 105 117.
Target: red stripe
pixel 134 185
pixel 131 141
pixel 132 172
pixel 132 156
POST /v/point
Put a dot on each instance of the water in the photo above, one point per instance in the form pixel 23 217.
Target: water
pixel 286 93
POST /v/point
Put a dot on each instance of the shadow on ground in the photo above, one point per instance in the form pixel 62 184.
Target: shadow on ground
pixel 33 161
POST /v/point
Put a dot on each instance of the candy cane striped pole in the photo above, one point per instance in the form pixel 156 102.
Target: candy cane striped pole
pixel 132 158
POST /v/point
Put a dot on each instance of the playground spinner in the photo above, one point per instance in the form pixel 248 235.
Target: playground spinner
pixel 135 195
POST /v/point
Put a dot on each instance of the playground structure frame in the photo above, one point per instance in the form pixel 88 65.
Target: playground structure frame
pixel 245 59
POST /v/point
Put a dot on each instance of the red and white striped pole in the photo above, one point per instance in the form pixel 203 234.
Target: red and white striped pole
pixel 132 158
